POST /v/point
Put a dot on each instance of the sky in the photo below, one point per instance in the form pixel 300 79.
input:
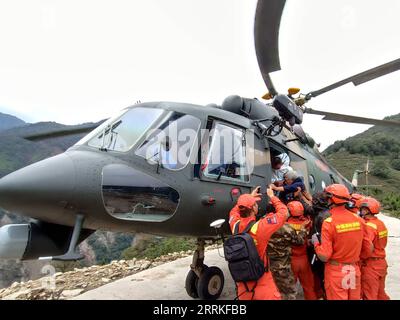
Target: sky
pixel 80 61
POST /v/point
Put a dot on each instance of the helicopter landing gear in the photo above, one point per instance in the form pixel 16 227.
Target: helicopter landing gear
pixel 202 281
pixel 72 254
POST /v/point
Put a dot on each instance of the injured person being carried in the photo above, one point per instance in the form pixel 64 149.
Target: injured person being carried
pixel 292 188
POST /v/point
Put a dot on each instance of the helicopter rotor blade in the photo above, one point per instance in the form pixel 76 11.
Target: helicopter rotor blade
pixel 360 78
pixel 266 38
pixel 352 119
pixel 62 132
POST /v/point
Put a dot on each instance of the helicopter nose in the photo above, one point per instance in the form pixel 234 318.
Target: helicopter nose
pixel 39 188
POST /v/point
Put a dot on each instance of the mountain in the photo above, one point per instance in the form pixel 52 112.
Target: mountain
pixel 381 145
pixel 8 121
pixel 15 153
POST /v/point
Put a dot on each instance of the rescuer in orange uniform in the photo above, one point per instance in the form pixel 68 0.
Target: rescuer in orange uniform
pixel 342 241
pixel 374 266
pixel 243 213
pixel 300 264
pixel 356 199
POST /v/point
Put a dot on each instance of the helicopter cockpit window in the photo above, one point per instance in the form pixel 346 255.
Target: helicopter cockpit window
pixel 171 144
pixel 123 132
pixel 227 154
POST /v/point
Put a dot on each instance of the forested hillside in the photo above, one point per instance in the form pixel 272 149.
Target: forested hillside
pixel 381 145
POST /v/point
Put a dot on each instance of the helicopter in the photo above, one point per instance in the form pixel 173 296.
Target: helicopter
pixel 123 176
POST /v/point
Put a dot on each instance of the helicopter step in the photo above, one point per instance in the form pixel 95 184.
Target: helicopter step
pixel 42 240
pixel 202 281
pixel 72 254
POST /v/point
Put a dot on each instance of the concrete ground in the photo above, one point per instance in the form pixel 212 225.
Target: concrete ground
pixel 168 280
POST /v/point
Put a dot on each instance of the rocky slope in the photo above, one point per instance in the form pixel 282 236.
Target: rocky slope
pixel 70 284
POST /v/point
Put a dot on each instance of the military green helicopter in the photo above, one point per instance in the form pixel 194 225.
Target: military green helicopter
pixel 123 176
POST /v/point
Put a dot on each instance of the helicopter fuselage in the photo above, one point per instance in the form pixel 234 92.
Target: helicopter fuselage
pixel 124 191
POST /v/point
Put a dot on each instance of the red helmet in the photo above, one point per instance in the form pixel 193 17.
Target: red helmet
pixel 296 209
pixel 338 193
pixel 372 204
pixel 357 198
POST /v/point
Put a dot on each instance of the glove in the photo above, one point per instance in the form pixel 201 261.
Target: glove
pixel 314 239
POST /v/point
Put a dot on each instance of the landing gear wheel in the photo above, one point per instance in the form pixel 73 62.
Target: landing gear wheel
pixel 210 283
pixel 191 284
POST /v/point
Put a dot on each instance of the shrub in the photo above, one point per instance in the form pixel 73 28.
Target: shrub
pixel 156 247
pixel 380 170
pixel 396 164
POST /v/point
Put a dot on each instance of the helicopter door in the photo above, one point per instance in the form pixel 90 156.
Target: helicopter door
pixel 291 159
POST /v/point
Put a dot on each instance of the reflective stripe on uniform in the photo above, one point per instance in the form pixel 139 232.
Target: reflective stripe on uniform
pixel 253 230
pixel 329 219
pixel 383 234
pixel 346 227
pixel 372 225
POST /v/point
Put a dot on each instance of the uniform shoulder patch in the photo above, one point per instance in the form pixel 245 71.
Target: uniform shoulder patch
pixel 272 219
pixel 329 219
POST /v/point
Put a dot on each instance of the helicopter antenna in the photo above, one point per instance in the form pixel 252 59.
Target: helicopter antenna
pixel 366 175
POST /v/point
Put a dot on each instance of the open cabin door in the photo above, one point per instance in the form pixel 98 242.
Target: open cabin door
pixel 296 162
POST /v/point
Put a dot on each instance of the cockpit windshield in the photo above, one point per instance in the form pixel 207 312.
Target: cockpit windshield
pixel 171 143
pixel 120 133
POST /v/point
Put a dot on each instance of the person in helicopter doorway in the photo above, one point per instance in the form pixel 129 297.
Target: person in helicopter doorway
pixel 292 188
pixel 280 165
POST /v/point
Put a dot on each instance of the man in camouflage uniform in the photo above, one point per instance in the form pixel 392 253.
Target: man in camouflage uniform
pixel 279 252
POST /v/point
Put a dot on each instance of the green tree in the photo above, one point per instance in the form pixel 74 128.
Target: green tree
pixel 380 170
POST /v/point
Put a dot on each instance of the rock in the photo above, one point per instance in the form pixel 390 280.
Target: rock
pixel 116 275
pixel 14 285
pixel 17 295
pixel 71 293
pixel 73 283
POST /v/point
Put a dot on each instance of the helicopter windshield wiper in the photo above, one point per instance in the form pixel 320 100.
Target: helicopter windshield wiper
pixel 109 130
pixel 158 159
pixel 103 135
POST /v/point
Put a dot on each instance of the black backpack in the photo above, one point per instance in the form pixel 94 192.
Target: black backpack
pixel 241 253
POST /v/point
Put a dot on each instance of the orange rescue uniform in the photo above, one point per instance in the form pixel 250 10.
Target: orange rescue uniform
pixel 265 288
pixel 342 241
pixel 300 264
pixel 374 266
